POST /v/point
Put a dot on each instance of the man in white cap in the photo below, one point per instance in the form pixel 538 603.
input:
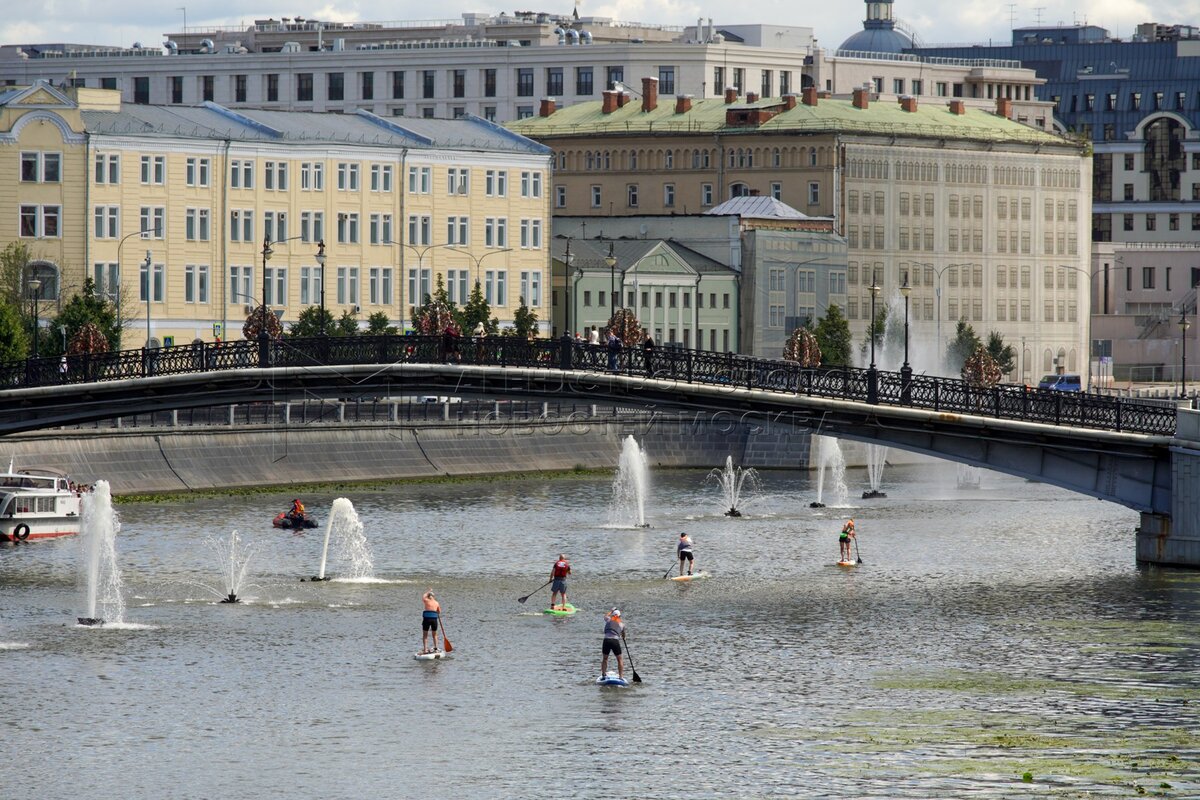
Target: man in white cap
pixel 614 632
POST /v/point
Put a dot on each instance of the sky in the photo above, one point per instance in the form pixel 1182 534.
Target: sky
pixel 122 22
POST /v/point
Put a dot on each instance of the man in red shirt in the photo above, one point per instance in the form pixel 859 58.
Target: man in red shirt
pixel 558 581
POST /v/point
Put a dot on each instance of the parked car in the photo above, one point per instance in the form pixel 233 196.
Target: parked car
pixel 1062 383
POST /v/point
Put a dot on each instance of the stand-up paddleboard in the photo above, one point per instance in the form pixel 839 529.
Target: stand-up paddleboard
pixel 699 576
pixel 611 679
pixel 436 654
pixel 560 611
pixel 847 563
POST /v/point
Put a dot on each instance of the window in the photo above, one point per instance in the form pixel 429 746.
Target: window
pixel 560 197
pixel 718 80
pixel 596 197
pixel 107 222
pixel 669 195
pixel 706 194
pixel 666 80
pixel 275 225
pixel 41 167
pixel 419 285
pixel 631 195
pixel 531 234
pixel 347 228
pixel 554 81
pixel 150 221
pixel 495 232
pixel 347 286
pixel 531 184
pixel 531 288
pixel 420 180
pixel 380 286
pixel 613 76
pixel 310 284
pixel 275 286
pixel 489 83
pixel 420 229
pixel 273 87
pixel 196 227
pixel 153 279
pixel 154 170
pixel 141 90
pixel 496 183
pixel 398 84
pixel 304 87
pixel 176 88
pixel 494 287
pixel 196 171
pixel 312 176
pixel 40 222
pixel 457 230
pixel 108 168
pixel 239 88
pixel 366 85
pixel 814 193
pixel 381 229
pixel 347 176
pixel 241 226
pixel 458 180
pixel 583 81
pixel 1147 277
pixel 381 177
pixel 241 174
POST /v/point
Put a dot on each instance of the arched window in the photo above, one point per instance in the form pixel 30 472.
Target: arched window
pixel 1164 157
pixel 47 273
pixel 739 190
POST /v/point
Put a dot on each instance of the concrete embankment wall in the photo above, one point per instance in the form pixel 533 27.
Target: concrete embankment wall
pixel 180 459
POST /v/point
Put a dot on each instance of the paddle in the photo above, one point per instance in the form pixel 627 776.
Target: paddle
pixel 449 648
pixel 636 678
pixel 856 555
pixel 535 591
pixel 674 564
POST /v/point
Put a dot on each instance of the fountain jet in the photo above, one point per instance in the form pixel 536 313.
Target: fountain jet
pixel 732 481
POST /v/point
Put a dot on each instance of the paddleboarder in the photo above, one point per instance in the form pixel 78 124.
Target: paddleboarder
pixel 429 621
pixel 614 632
pixel 558 581
pixel 844 539
pixel 684 550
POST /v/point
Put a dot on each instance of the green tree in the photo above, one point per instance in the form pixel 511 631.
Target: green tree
pixel 308 323
pixel 964 343
pixel 524 321
pixel 833 336
pixel 14 259
pixel 436 312
pixel 347 324
pixel 1003 354
pixel 475 311
pixel 876 329
pixel 378 324
pixel 14 334
pixel 85 307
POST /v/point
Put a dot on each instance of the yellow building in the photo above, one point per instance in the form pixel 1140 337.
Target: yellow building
pixel 168 209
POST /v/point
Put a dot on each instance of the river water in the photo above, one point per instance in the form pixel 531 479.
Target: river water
pixel 989 633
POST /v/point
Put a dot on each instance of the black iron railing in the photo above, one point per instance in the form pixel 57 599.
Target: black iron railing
pixel 1079 409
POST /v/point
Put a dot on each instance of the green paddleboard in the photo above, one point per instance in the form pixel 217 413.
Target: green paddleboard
pixel 563 611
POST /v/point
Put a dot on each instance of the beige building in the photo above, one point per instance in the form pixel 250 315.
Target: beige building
pixel 986 218
pixel 168 210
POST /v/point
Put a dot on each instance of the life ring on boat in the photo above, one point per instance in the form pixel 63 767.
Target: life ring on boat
pixel 20 533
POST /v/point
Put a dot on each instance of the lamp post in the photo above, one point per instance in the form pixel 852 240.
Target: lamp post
pixel 420 250
pixel 872 373
pixel 477 260
pixel 1183 329
pixel 149 292
pixel 117 298
pixel 321 264
pixel 567 290
pixel 611 260
pixel 905 370
pixel 35 286
pixel 267 252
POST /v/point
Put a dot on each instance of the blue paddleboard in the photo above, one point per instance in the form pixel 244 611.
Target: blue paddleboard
pixel 611 679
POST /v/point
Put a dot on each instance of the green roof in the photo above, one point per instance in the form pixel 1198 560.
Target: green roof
pixel 932 119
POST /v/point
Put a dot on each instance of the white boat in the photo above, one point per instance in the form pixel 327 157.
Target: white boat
pixel 37 504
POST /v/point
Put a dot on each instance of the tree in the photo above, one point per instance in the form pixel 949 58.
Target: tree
pixel 802 348
pixel 347 324
pixel 254 323
pixel 1003 354
pixel 964 343
pixel 14 259
pixel 14 338
pixel 84 309
pixel 378 324
pixel 833 337
pixel 524 321
pixel 477 310
pixel 308 323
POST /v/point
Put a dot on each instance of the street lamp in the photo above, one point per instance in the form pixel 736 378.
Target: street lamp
pixel 420 250
pixel 35 286
pixel 1183 329
pixel 874 289
pixel 149 293
pixel 905 370
pixel 156 230
pixel 477 260
pixel 567 289
pixel 267 252
pixel 611 260
pixel 321 264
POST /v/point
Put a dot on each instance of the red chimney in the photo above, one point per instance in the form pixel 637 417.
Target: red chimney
pixel 789 101
pixel 622 99
pixel 683 103
pixel 862 98
pixel 809 95
pixel 908 104
pixel 649 94
pixel 610 101
pixel 751 97
pixel 730 95
pixel 1004 108
pixel 547 107
pixel 958 107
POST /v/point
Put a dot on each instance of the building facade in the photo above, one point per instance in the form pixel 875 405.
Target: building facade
pixel 985 218
pixel 169 210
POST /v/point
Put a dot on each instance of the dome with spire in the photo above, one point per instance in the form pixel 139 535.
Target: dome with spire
pixel 879 34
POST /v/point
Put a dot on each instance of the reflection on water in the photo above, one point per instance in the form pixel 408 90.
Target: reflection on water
pixel 991 632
